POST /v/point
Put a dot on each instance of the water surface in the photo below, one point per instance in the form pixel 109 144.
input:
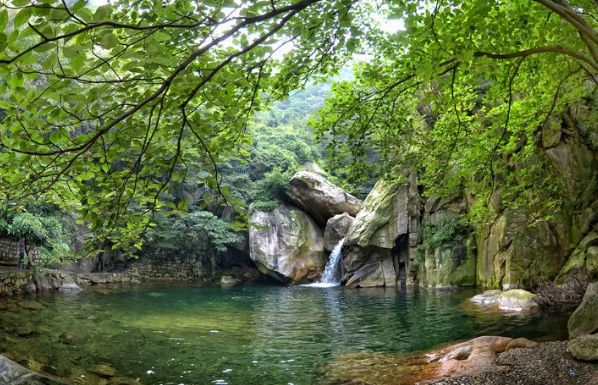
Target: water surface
pixel 252 335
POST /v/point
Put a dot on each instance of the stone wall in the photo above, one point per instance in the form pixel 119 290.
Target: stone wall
pixel 9 252
pixel 161 268
pixel 15 281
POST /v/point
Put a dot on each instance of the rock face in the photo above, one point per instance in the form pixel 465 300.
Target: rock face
pixel 512 254
pixel 447 256
pixel 319 198
pixel 336 229
pixel 584 320
pixel 370 251
pixel 287 245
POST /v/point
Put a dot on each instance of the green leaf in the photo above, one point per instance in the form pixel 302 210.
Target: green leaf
pixel 22 17
pixel 78 62
pixel 109 40
pixel 3 19
pixel 102 13
pixel 3 41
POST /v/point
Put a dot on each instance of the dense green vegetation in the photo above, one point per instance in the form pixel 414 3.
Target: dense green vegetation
pixel 137 111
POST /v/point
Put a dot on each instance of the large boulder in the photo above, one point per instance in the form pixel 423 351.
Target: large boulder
pixel 584 320
pixel 321 199
pixel 517 300
pixel 383 218
pixel 287 245
pixel 370 252
pixel 336 229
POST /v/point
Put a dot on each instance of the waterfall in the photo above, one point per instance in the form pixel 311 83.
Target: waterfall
pixel 333 272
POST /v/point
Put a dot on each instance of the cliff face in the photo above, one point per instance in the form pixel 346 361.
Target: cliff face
pixel 518 248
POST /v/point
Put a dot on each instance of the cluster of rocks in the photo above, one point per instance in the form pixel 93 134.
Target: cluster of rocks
pixel 583 327
pixel 289 243
pixel 381 235
pixel 17 281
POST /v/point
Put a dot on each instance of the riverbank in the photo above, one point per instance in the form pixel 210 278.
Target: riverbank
pixel 547 364
pixel 488 360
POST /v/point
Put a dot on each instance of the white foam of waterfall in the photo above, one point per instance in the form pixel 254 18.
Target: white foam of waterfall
pixel 332 272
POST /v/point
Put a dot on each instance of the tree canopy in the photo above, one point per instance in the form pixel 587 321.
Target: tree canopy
pixel 466 92
pixel 104 107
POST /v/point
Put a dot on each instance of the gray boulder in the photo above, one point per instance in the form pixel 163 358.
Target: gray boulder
pixel 287 245
pixel 319 198
pixel 336 229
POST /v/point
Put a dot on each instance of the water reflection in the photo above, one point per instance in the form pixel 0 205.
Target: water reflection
pixel 241 335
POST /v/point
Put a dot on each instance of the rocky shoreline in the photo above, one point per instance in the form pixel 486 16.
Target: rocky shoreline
pixel 547 364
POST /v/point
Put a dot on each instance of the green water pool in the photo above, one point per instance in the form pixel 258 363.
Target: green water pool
pixel 248 335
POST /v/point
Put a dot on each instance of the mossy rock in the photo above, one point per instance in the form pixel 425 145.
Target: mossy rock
pixel 584 320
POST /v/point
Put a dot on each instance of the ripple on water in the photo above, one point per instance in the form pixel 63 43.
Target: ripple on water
pixel 242 335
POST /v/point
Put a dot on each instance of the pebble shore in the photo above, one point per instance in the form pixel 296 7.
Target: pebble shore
pixel 547 364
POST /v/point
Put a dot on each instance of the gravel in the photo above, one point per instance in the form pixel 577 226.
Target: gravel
pixel 547 364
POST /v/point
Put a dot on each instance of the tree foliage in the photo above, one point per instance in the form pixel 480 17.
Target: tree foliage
pixel 464 93
pixel 43 229
pixel 105 108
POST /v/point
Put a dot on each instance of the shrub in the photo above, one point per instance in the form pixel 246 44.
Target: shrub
pixel 565 297
pixel 448 230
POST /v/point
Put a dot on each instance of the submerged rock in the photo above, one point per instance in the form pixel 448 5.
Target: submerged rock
pixel 31 305
pixel 13 373
pixel 287 245
pixel 123 381
pixel 104 371
pixel 319 198
pixel 25 331
pixel 516 300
